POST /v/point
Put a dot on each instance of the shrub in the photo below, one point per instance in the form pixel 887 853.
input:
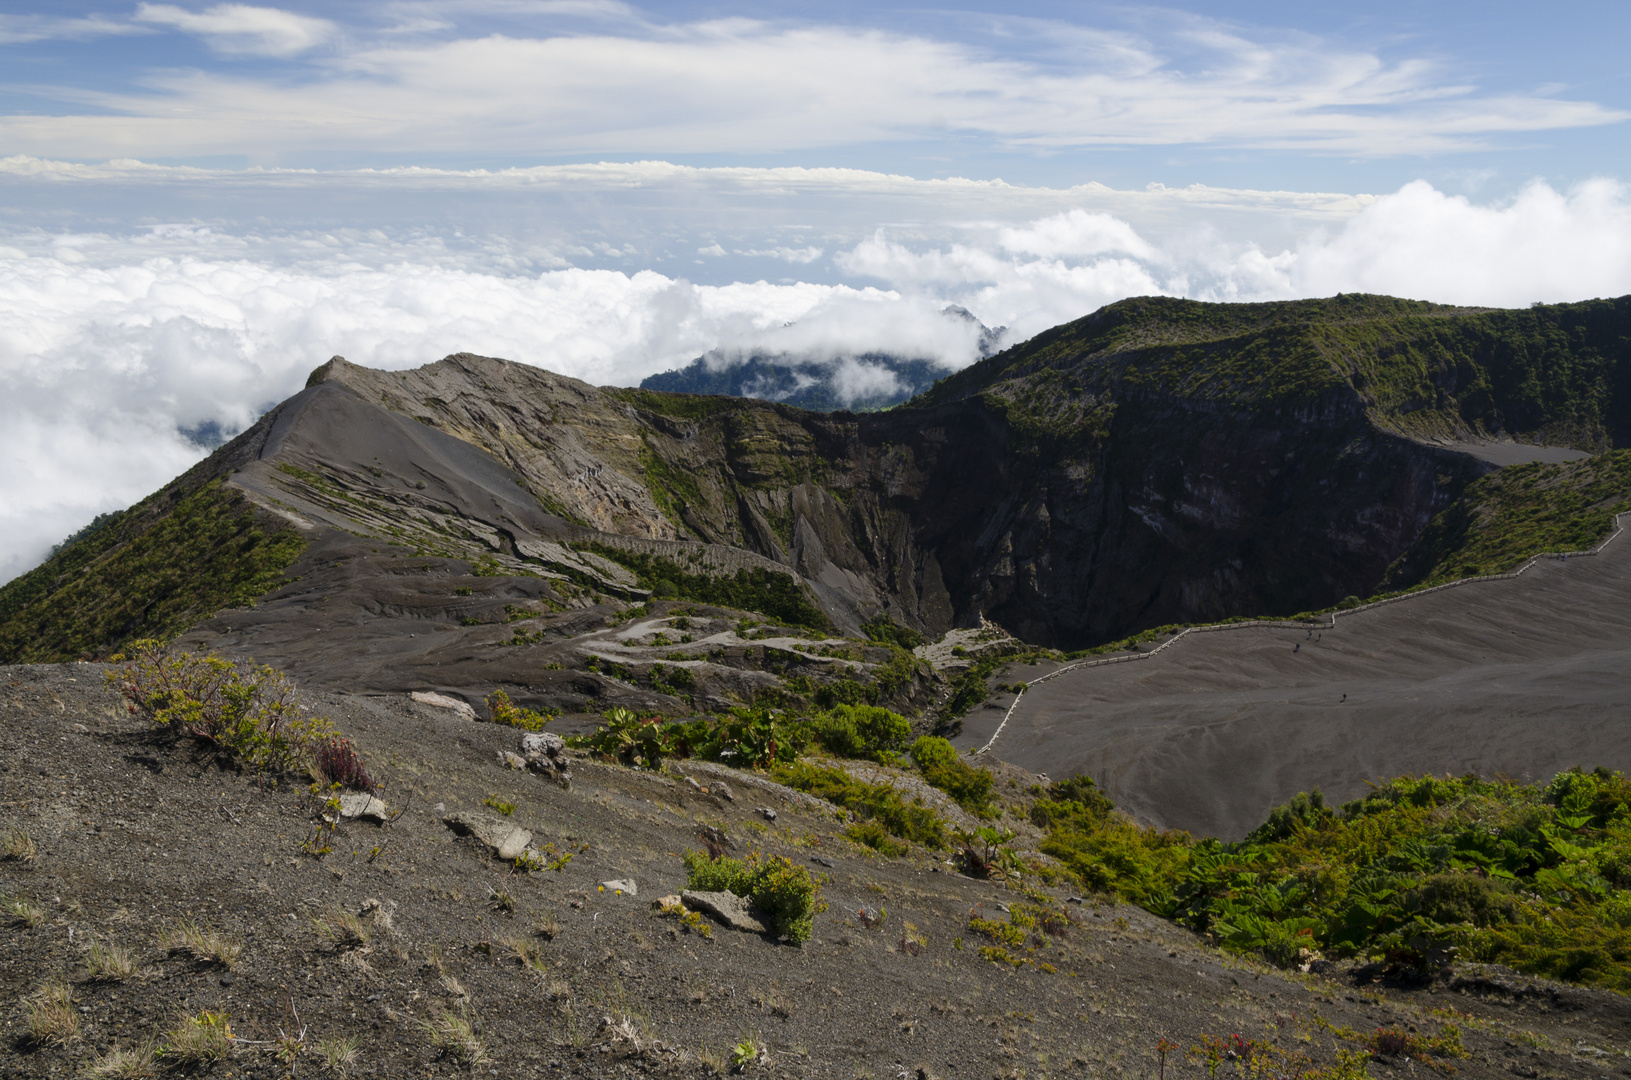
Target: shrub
pixel 882 629
pixel 944 768
pixel 872 834
pixel 503 711
pixel 860 731
pixel 874 802
pixel 840 692
pixel 789 896
pixel 338 762
pixel 250 716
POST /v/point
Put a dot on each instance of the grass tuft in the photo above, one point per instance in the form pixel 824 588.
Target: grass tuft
pixel 19 846
pixel 109 962
pixel 199 1040
pixel 203 945
pixel 26 912
pixel 343 929
pixel 455 1035
pixel 52 1020
pixel 339 1054
pixel 139 1062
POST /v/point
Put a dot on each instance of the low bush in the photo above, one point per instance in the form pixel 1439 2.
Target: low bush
pixel 250 716
pixel 943 767
pixel 504 711
pixel 745 738
pixel 870 802
pixel 871 833
pixel 860 731
pixel 1530 876
pixel 884 630
pixel 788 896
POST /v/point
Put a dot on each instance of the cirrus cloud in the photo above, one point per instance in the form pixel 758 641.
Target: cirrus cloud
pixel 753 86
pixel 242 28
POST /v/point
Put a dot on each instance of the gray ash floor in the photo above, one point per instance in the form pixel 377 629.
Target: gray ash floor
pixel 1521 678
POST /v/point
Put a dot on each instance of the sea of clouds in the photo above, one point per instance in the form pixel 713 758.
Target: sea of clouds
pixel 115 344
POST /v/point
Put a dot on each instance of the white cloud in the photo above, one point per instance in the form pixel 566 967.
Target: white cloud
pixel 786 254
pixel 108 347
pixel 742 85
pixel 1076 233
pixel 242 28
pixel 22 29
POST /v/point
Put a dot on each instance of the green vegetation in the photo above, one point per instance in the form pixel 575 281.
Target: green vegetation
pixel 679 406
pixel 788 896
pixel 1017 940
pixel 885 631
pixel 249 716
pixel 970 688
pixel 1535 877
pixel 943 767
pixel 768 592
pixel 1511 515
pixel 149 572
pixel 878 803
pixel 744 737
pixel 503 711
pixel 1417 368
pixel 860 731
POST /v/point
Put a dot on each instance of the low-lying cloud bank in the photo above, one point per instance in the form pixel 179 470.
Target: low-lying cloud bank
pixel 104 367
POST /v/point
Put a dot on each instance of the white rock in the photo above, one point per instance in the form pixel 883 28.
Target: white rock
pixel 622 885
pixel 511 759
pixel 542 744
pixel 442 701
pixel 356 804
pixel 726 907
pixel 507 839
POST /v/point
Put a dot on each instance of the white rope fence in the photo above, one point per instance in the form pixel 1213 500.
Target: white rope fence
pixel 1290 624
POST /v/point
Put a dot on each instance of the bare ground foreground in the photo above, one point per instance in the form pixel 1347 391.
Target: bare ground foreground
pixel 136 837
pixel 1520 677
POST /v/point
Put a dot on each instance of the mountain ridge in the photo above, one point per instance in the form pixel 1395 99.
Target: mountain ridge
pixel 1157 462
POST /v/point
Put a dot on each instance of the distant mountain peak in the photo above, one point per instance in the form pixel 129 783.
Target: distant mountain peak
pixel 856 382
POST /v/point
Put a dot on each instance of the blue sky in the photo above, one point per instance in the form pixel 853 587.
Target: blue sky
pixel 1474 97
pixel 201 201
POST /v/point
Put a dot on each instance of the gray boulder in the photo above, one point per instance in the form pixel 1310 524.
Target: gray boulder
pixel 360 804
pixel 507 839
pixel 546 753
pixel 724 907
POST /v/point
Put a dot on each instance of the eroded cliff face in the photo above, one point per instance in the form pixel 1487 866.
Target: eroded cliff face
pixel 1159 461
pixel 1068 507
